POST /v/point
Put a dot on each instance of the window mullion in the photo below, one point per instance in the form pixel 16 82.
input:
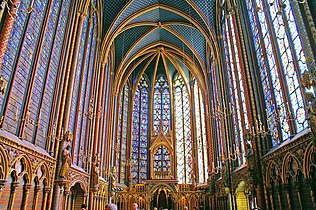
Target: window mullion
pixel 139 134
pixel 268 68
pixel 279 66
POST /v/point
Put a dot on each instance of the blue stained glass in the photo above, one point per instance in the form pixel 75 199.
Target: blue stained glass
pixel 296 95
pixel 139 131
pixel 81 95
pixel 161 161
pixel 238 105
pixel 53 69
pixel 122 134
pixel 161 104
pixel 27 49
pixel 79 69
pixel 272 113
pixel 287 62
pixel 183 131
pixel 285 31
pixel 38 88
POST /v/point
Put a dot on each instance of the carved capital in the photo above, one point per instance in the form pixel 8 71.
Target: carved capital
pixel 14 185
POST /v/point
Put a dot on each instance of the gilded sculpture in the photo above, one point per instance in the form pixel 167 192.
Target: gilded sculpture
pixel 66 162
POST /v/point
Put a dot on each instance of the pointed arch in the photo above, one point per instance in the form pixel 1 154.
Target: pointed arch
pixel 4 164
pixel 309 160
pixel 23 167
pixel 290 167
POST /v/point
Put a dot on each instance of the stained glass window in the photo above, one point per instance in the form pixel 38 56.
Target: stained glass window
pixel 217 133
pixel 39 112
pixel 34 76
pixel 121 143
pixel 22 64
pixel 202 157
pixel 161 111
pixel 281 60
pixel 162 161
pixel 140 132
pixel 52 72
pixel 237 106
pixel 184 149
pixel 79 70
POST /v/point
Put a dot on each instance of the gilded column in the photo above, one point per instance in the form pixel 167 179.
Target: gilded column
pixel 277 188
pixel 26 191
pixel 66 100
pixel 298 194
pixel 35 199
pixel 310 21
pixel 286 188
pixel 66 193
pixel 2 183
pixel 7 27
pixel 309 184
pixel 271 200
pixel 45 197
pixel 14 185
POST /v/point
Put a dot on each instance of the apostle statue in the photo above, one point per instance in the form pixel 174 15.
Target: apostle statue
pixel 95 173
pixel 65 162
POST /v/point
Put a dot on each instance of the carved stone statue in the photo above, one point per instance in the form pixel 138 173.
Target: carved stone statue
pixel 309 80
pixel 95 173
pixel 113 178
pixel 248 148
pixel 311 114
pixel 66 161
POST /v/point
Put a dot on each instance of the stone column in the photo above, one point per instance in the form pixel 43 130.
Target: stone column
pixel 35 200
pixel 298 194
pixel 66 204
pixel 26 191
pixel 45 198
pixel 7 28
pixel 14 185
pixel 286 189
pixel 309 184
pixel 2 183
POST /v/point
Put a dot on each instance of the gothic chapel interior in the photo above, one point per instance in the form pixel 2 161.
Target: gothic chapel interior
pixel 173 104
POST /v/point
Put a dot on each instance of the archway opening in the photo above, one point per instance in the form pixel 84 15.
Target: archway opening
pixel 77 196
pixel 241 198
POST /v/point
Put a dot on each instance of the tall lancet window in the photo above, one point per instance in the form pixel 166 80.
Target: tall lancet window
pixel 161 110
pixel 31 65
pixel 120 147
pixel 183 131
pixel 281 60
pixel 237 107
pixel 140 132
pixel 202 160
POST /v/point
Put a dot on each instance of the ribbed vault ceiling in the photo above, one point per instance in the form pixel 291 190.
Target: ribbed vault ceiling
pixel 148 35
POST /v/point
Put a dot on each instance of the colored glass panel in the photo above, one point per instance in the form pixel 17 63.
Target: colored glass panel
pixel 86 79
pixel 283 31
pixel 140 132
pixel 184 148
pixel 79 70
pixel 11 52
pixel 162 159
pixel 24 69
pixel 161 111
pixel 122 134
pixel 53 65
pixel 236 90
pixel 41 117
pixel 202 160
